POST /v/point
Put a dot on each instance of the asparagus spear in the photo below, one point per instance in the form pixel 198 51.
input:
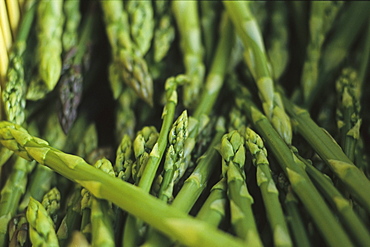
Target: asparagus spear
pixel 324 144
pixel 169 220
pixel 14 91
pixel 233 155
pixel 41 226
pixel 187 19
pixel 140 14
pixel 268 189
pixel 123 164
pixel 51 203
pixel 125 115
pixel 78 239
pixel 18 231
pixel 126 66
pixel 299 180
pixel 255 56
pixel 72 14
pixel 50 20
pixel 11 193
pixel 164 31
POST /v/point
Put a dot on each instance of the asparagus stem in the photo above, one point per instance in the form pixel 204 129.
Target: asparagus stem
pixel 51 203
pixel 352 177
pixel 270 194
pixel 187 19
pixel 255 56
pixel 72 14
pixel 123 164
pixel 169 220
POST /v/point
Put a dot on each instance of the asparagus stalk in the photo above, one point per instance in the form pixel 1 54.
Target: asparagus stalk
pixel 349 121
pixel 140 14
pixel 78 239
pixel 298 178
pixel 169 220
pixel 11 194
pixel 72 14
pixel 268 189
pixel 50 20
pixel 18 231
pixel 321 19
pixel 255 56
pixel 51 203
pixel 123 164
pixel 126 66
pixel 125 115
pixel 233 155
pixel 324 144
pixel 187 19
pixel 352 222
pixel 14 91
pixel 41 226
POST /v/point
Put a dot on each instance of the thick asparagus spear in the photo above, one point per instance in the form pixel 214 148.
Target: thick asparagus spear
pixel 169 220
pixel 255 56
pixel 50 20
pixel 187 19
pixel 270 193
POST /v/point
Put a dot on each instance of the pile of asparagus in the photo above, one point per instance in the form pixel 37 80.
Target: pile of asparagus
pixel 184 123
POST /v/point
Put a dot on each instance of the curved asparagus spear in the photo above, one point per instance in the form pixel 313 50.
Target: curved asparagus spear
pixel 187 19
pixel 126 66
pixel 268 189
pixel 169 220
pixel 41 226
pixel 50 20
pixel 255 56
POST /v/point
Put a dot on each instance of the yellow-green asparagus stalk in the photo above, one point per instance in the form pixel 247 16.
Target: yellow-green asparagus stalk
pixel 127 66
pixel 50 19
pixel 41 226
pixel 270 193
pixel 187 19
pixel 233 155
pixel 167 219
pixel 255 56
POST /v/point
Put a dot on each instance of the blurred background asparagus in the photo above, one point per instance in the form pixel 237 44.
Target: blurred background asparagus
pixel 234 151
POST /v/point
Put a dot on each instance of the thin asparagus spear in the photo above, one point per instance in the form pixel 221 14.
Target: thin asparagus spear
pixel 299 180
pixel 5 26
pixel 233 155
pixel 167 219
pixel 101 213
pixel 140 14
pixel 11 193
pixel 41 226
pixel 51 203
pixel 321 19
pixel 126 66
pixel 86 201
pixel 352 222
pixel 125 115
pixel 14 92
pixel 348 112
pixel 187 19
pixel 18 231
pixel 14 16
pixel 193 185
pixel 72 14
pixel 270 193
pixel 295 221
pixel 50 19
pixel 123 164
pixel 164 31
pixel 324 144
pixel 255 56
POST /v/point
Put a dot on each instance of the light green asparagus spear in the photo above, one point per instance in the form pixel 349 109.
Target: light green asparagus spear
pixel 298 178
pixel 140 14
pixel 14 91
pixel 255 56
pixel 125 115
pixel 352 222
pixel 71 9
pixel 11 194
pixel 270 193
pixel 348 112
pixel 277 49
pixel 233 155
pixel 187 19
pixel 164 31
pixel 50 21
pixel 101 213
pixel 171 221
pixel 324 144
pixel 123 164
pixel 193 185
pixel 41 226
pixel 78 239
pixel 51 203
pixel 127 66
pixel 321 19
pixel 85 226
